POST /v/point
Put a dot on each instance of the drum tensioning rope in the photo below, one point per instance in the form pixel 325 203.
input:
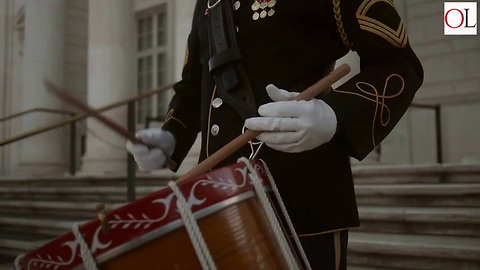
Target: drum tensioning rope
pixel 17 262
pixel 85 254
pixel 272 217
pixel 198 242
pixel 287 217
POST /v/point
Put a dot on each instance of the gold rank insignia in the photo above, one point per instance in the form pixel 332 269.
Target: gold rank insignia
pixel 394 34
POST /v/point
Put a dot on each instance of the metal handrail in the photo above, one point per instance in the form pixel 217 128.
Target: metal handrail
pixel 73 131
pixel 130 102
pixel 46 110
pixel 81 116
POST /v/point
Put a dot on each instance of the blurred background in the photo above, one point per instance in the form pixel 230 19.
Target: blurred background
pixel 418 192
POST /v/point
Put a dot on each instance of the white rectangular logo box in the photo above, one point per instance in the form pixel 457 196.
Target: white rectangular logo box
pixel 460 18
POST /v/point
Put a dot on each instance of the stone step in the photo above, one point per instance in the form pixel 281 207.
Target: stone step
pixel 40 225
pixel 6 266
pixel 366 250
pixel 445 195
pixel 416 174
pixel 420 220
pixel 83 210
pixel 401 251
pixel 13 248
pixel 159 178
pixel 78 194
pixel 426 220
pixel 12 245
pixel 355 267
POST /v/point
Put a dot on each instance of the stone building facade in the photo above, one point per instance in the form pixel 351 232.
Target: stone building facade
pixel 105 51
pixel 452 80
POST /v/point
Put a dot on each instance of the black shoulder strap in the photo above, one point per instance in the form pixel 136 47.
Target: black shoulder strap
pixel 225 63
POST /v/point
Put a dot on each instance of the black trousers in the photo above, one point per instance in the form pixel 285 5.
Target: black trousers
pixel 326 251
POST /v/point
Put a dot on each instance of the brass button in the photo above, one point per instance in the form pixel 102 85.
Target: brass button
pixel 236 5
pixel 215 130
pixel 216 103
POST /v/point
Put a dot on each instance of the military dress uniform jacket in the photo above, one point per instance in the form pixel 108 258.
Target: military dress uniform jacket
pixel 292 49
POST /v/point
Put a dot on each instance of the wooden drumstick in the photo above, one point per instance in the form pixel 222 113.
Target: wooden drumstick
pixel 227 150
pixel 63 95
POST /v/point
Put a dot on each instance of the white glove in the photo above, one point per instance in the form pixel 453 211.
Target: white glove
pixel 163 144
pixel 293 126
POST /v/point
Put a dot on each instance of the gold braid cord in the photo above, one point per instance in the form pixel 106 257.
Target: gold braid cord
pixel 338 18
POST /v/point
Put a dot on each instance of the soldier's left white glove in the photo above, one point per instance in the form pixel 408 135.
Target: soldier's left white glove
pixel 293 126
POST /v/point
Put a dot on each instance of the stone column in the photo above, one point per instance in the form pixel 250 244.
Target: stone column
pixel 43 58
pixel 3 92
pixel 111 78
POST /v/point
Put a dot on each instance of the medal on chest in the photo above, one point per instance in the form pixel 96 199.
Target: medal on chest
pixel 263 8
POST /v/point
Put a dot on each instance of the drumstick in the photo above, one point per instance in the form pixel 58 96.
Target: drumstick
pixel 311 92
pixel 63 95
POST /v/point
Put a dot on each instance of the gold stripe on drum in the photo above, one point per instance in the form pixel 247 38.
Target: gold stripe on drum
pixel 323 232
pixel 338 249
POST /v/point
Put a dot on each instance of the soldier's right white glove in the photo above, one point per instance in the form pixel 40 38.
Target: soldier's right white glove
pixel 293 126
pixel 162 145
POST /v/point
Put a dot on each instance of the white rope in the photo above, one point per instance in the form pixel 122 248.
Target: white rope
pixel 287 217
pixel 17 262
pixel 272 218
pixel 193 230
pixel 87 257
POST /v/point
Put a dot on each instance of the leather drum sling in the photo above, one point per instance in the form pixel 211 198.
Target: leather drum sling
pixel 225 60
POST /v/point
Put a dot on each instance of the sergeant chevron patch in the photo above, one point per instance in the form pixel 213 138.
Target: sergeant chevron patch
pixel 375 23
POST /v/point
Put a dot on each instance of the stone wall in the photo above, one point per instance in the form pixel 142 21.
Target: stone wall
pixel 452 80
pixel 42 41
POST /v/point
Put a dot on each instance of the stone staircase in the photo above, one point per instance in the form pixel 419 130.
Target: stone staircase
pixel 33 211
pixel 413 217
pixel 417 217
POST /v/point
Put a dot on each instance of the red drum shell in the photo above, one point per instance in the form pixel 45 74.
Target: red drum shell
pixel 223 197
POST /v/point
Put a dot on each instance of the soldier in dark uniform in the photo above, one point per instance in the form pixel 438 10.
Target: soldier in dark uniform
pixel 291 44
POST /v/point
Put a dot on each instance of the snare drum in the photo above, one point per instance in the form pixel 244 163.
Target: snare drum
pixel 149 232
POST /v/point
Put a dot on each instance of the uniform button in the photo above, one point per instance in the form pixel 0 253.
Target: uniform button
pixel 236 5
pixel 214 130
pixel 238 29
pixel 217 102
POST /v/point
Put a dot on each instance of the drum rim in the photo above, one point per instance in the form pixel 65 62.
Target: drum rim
pixel 176 224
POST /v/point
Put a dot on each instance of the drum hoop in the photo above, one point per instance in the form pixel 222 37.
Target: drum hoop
pixel 117 251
